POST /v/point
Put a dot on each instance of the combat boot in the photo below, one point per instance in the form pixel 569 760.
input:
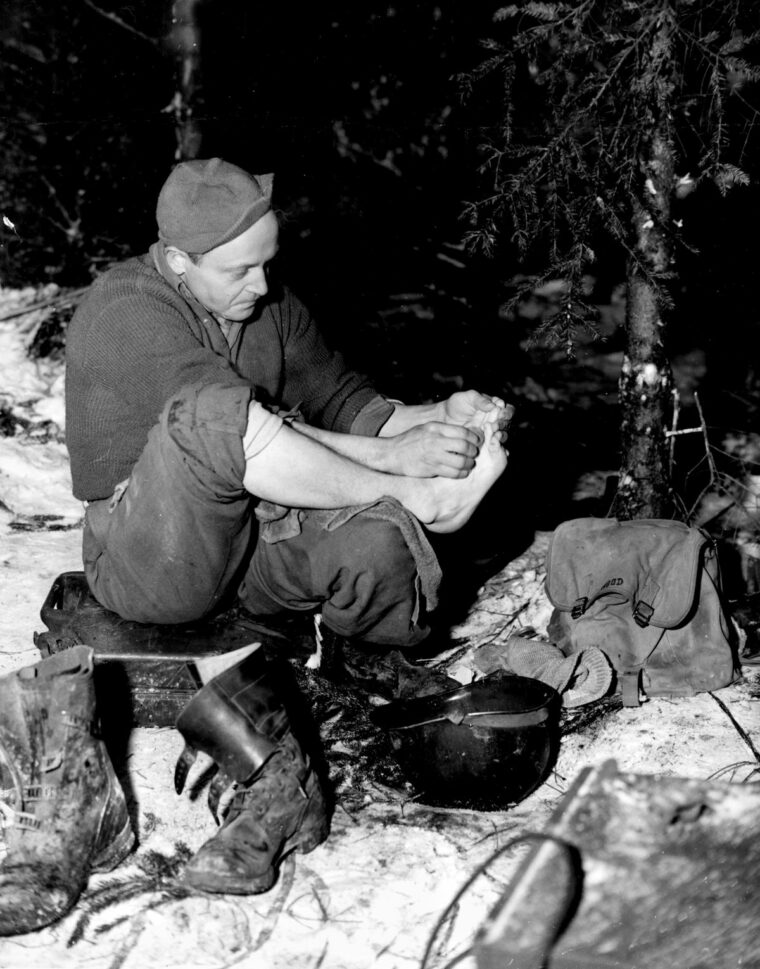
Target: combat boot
pixel 64 813
pixel 240 720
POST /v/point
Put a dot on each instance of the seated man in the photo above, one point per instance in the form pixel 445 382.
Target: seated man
pixel 223 451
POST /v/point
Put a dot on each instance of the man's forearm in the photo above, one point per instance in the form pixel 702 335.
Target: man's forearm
pixel 300 469
pixel 406 416
pixel 423 451
pixel 367 451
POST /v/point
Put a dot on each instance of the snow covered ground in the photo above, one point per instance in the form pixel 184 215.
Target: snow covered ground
pixel 373 893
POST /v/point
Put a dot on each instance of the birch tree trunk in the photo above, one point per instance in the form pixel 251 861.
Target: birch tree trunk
pixel 646 380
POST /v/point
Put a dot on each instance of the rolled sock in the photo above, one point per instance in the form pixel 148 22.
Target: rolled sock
pixel 262 426
pixel 541 661
pixel 580 677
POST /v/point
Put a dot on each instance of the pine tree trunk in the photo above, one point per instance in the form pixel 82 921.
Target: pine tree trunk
pixel 184 42
pixel 645 387
pixel 646 380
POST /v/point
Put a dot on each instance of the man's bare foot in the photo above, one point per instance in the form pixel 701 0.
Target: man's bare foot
pixel 448 503
pixel 498 417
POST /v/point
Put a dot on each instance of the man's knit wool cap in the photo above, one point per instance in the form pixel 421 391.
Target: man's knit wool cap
pixel 207 202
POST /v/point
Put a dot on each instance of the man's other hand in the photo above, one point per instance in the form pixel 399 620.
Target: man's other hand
pixel 473 409
pixel 434 450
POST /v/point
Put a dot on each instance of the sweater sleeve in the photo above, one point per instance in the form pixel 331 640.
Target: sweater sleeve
pixel 317 380
pixel 372 417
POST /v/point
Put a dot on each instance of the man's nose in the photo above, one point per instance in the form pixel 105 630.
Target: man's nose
pixel 257 283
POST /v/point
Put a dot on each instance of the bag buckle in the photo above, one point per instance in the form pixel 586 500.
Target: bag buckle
pixel 579 607
pixel 642 614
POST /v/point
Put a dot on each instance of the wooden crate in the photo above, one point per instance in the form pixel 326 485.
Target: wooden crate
pixel 146 673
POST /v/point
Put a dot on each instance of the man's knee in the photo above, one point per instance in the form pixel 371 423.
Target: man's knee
pixel 362 576
pixel 207 423
pixel 168 550
pixel 377 547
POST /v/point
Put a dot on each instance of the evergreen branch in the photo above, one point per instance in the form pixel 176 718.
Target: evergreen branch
pixel 530 36
pixel 557 143
pixel 720 66
pixel 727 176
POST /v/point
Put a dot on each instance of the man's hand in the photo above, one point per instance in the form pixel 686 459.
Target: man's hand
pixel 434 449
pixel 473 409
pixel 439 439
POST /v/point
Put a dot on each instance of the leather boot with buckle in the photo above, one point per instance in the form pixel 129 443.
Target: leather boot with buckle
pixel 63 813
pixel 240 720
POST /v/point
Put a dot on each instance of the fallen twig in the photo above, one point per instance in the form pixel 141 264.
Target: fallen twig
pixel 739 728
pixel 61 299
pixel 703 426
pixel 684 430
pixel 122 23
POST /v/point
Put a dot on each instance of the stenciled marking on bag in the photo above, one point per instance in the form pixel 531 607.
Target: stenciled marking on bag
pixel 611 582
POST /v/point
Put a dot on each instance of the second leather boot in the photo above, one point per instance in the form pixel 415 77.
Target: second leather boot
pixel 240 720
pixel 62 811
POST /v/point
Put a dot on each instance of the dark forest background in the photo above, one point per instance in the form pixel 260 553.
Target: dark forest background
pixel 362 112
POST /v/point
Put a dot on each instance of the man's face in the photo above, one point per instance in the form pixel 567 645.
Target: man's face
pixel 230 279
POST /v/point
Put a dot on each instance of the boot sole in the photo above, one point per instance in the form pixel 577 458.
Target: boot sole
pixel 252 886
pixel 226 886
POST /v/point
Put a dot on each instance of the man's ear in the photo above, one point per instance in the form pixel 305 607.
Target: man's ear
pixel 177 260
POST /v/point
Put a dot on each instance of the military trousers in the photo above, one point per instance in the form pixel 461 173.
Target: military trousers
pixel 180 539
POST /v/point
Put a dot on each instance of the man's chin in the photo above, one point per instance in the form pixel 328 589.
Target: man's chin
pixel 237 314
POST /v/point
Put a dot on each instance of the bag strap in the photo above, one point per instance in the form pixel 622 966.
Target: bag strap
pixel 579 607
pixel 643 608
pixel 630 687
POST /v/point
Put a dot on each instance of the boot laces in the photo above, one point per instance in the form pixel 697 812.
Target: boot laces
pixel 11 817
pixel 278 780
pixel 11 799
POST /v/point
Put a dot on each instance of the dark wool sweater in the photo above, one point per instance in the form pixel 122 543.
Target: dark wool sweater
pixel 137 338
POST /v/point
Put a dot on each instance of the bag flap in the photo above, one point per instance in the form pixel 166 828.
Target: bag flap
pixel 652 563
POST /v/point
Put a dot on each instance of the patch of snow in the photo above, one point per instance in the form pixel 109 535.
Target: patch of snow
pixel 36 480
